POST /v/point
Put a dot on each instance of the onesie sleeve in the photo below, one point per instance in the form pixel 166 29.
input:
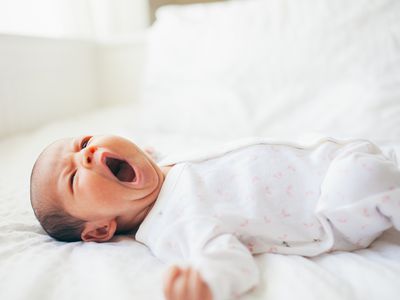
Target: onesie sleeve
pixel 359 195
pixel 227 266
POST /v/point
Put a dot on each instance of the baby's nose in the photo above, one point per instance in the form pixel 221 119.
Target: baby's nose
pixel 88 156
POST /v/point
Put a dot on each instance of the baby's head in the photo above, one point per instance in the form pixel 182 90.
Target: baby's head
pixel 89 188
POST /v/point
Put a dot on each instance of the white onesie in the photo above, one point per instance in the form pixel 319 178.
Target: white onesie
pixel 215 212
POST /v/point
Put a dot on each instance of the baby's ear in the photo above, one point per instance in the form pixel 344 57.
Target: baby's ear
pixel 99 231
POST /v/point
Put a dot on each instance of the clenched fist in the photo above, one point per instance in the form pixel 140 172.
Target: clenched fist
pixel 185 284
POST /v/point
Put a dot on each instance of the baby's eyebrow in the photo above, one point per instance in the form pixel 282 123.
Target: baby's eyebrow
pixel 73 144
pixel 64 175
pixel 69 169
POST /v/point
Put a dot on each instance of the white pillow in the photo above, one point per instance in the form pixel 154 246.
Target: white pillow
pixel 201 42
pixel 331 67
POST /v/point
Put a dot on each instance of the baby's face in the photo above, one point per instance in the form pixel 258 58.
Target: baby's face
pixel 100 177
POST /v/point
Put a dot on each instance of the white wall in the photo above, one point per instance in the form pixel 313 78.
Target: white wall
pixel 63 57
pixel 120 66
pixel 118 17
pixel 44 79
pixel 51 18
pixel 73 18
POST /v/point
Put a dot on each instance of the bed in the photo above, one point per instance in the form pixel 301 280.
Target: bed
pixel 216 72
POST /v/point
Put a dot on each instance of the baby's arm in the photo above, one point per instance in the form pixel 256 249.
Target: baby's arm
pixel 222 269
pixel 185 284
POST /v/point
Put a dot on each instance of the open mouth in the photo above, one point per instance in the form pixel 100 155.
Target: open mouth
pixel 121 169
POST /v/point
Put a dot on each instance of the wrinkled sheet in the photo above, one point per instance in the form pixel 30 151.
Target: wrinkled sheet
pixel 33 266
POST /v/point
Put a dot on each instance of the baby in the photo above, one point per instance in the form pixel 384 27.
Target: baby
pixel 215 211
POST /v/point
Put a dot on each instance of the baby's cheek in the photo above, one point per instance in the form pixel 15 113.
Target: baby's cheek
pixel 99 190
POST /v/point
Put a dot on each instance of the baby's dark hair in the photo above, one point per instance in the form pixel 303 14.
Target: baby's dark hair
pixel 60 225
pixel 51 216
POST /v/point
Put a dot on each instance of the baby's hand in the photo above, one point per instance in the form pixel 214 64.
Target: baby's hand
pixel 185 284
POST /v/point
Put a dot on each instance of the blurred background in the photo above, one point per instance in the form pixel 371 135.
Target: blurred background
pixel 63 57
pixel 222 68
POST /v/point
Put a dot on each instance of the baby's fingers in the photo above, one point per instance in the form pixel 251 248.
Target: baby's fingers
pixel 180 287
pixel 199 289
pixel 169 281
pixel 194 285
pixel 185 284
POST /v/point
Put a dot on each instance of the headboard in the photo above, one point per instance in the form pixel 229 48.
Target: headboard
pixel 154 4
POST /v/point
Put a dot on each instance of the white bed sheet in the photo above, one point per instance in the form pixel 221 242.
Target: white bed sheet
pixel 33 266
